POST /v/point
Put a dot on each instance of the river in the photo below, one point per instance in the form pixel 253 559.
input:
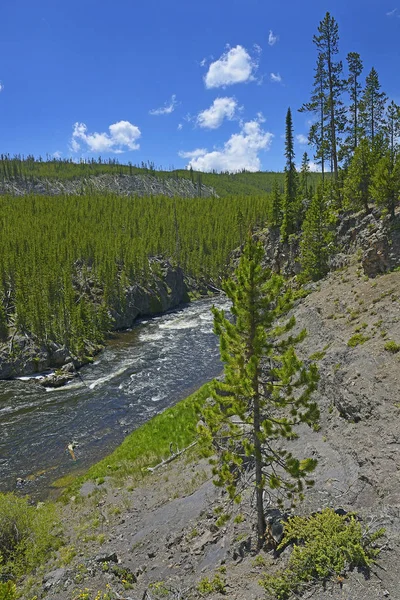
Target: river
pixel 140 373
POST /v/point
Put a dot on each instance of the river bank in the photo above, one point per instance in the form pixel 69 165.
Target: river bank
pixel 133 534
pixel 140 373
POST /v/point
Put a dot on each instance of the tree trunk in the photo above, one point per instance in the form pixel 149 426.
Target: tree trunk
pixel 258 460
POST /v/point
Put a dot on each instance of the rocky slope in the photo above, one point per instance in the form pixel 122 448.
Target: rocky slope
pixel 124 185
pixel 375 239
pixel 161 536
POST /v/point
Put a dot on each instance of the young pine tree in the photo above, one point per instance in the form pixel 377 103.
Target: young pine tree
pixel 385 184
pixel 358 179
pixel 265 393
pixel 276 204
pixel 317 238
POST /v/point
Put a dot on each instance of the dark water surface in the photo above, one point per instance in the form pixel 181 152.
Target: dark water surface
pixel 140 373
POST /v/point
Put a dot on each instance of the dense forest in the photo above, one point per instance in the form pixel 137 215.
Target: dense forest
pixel 52 246
pixel 48 244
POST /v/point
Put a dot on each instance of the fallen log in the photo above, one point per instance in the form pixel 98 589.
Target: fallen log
pixel 170 458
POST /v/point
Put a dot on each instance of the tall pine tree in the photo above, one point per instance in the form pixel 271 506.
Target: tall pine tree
pixel 327 42
pixel 372 107
pixel 353 87
pixel 317 136
pixel 289 202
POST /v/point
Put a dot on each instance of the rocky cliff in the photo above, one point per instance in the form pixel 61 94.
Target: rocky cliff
pixel 124 185
pixel 376 239
pixel 166 289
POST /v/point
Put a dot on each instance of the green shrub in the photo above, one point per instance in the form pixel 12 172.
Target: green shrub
pixel 392 347
pixel 208 586
pixel 357 339
pixel 26 535
pixel 8 591
pixel 324 545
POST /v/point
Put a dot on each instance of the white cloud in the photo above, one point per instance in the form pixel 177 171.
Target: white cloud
pixel 234 66
pixel 239 152
pixel 302 139
pixel 272 38
pixel 193 153
pixel 221 108
pixel 203 62
pixel 180 127
pixel 167 109
pixel 123 136
pixel 314 167
pixel 257 48
pixel 275 78
pixel 1 86
pixel 57 154
pixel 392 13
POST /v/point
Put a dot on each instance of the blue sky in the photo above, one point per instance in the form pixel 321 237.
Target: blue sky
pixel 175 81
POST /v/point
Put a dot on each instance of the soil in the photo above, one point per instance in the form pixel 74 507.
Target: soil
pixel 161 535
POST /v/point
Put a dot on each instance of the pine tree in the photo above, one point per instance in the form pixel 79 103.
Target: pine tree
pixel 353 87
pixel 304 176
pixel 276 205
pixel 327 45
pixel 317 136
pixel 372 107
pixel 391 129
pixel 289 201
pixel 385 184
pixel 317 238
pixel 358 179
pixel 256 407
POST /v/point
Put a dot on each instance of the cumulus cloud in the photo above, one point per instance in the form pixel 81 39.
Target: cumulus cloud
pixel 167 109
pixel 234 66
pixel 239 152
pixel 275 78
pixel 57 154
pixel 221 108
pixel 302 139
pixel 193 153
pixel 272 38
pixel 122 136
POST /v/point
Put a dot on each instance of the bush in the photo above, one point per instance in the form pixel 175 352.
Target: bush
pixel 324 545
pixel 392 347
pixel 357 339
pixel 26 535
pixel 8 591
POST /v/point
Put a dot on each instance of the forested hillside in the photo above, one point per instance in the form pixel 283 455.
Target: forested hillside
pixel 65 261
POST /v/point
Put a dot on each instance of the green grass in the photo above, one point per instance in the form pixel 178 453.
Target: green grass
pixel 357 340
pixel 150 443
pixel 392 347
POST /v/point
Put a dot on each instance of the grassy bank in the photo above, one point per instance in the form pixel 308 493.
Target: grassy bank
pixel 40 532
pixel 148 445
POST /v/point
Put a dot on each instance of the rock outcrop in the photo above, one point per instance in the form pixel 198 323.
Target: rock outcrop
pixel 376 237
pixel 22 355
pixel 123 185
